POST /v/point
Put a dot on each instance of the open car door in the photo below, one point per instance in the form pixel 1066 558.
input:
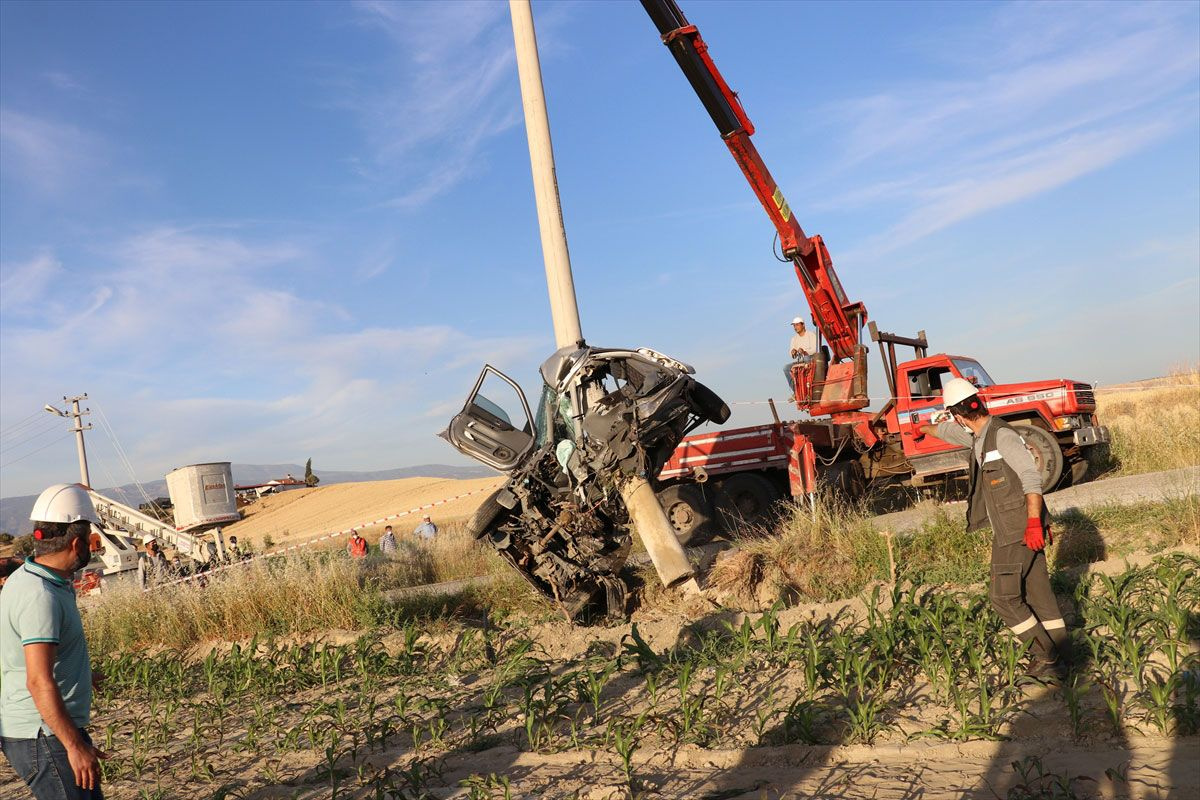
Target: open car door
pixel 494 426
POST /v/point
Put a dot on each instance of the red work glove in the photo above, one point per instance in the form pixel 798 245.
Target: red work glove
pixel 1034 538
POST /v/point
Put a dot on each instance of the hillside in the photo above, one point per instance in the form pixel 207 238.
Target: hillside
pixel 14 511
pixel 301 514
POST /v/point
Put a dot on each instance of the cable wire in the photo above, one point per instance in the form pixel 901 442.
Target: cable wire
pixel 35 435
pixel 112 435
pixel 33 452
pixel 11 429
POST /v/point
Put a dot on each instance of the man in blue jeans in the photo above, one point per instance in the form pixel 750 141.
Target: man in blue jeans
pixel 46 676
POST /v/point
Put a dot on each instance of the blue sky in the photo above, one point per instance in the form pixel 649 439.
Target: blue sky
pixel 263 232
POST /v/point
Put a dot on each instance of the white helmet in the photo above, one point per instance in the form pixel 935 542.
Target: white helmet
pixel 64 502
pixel 955 390
pixel 797 321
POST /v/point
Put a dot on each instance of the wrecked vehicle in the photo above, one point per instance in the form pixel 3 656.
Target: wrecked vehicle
pixel 605 416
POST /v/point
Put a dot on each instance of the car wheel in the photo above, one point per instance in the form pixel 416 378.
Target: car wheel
pixel 1047 455
pixel 744 499
pixel 710 404
pixel 689 512
pixel 488 513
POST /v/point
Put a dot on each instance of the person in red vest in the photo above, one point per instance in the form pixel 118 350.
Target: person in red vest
pixel 357 546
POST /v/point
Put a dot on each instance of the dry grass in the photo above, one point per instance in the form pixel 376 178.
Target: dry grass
pixel 824 552
pixel 275 596
pixel 1154 427
pixel 279 596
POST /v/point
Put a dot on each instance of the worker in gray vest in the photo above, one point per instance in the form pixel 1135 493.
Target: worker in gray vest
pixel 1006 492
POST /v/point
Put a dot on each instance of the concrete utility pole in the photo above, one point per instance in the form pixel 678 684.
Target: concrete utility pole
pixel 647 515
pixel 563 307
pixel 76 416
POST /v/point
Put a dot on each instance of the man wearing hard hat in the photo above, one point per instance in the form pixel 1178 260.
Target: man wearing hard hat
pixel 45 673
pixel 1006 492
pixel 152 567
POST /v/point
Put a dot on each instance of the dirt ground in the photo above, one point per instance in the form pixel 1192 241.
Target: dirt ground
pixel 301 514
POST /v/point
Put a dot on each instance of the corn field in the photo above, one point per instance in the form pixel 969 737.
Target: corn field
pixel 378 716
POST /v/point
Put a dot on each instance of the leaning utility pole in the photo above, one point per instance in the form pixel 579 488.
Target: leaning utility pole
pixel 563 307
pixel 76 417
pixel 649 520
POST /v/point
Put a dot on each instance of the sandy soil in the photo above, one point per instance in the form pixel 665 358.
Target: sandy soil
pixel 902 763
pixel 302 514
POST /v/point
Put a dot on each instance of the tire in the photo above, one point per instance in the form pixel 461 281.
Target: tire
pixel 710 404
pixel 744 499
pixel 845 479
pixel 1047 455
pixel 1077 471
pixel 689 512
pixel 488 513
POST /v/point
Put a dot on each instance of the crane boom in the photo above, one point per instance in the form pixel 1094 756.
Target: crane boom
pixel 839 320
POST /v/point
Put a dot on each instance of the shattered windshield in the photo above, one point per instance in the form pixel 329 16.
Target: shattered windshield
pixel 553 417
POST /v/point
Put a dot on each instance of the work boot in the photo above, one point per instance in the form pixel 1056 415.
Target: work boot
pixel 1044 670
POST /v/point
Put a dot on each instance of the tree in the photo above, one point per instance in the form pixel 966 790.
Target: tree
pixel 309 478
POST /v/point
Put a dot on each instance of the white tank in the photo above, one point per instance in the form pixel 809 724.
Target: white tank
pixel 202 495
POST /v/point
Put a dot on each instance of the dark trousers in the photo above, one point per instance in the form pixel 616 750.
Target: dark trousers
pixel 1022 596
pixel 42 763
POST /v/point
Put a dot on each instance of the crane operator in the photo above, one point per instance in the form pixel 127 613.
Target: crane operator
pixel 803 347
pixel 1006 492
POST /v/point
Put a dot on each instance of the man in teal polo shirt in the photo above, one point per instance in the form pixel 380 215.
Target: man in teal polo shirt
pixel 45 674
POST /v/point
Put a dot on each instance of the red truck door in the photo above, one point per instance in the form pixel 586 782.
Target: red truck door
pixel 919 387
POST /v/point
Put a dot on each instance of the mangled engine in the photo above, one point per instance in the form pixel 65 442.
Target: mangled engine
pixel 605 416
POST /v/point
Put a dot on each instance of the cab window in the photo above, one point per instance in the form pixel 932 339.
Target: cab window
pixel 926 384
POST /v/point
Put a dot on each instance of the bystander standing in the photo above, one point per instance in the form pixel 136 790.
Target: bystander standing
pixel 46 679
pixel 426 530
pixel 387 542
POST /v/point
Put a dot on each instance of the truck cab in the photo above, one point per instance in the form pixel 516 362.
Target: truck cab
pixel 1056 418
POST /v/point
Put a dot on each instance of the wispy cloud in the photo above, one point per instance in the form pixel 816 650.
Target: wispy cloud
pixel 1091 84
pixel 452 87
pixel 48 156
pixel 199 346
pixel 21 284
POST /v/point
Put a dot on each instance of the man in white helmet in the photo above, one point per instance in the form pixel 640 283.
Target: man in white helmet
pixel 45 673
pixel 1006 492
pixel 152 567
pixel 801 349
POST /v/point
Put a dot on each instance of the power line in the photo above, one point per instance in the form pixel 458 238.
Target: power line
pixel 36 435
pixel 20 423
pixel 33 452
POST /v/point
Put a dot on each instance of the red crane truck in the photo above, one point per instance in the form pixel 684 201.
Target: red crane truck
pixel 843 445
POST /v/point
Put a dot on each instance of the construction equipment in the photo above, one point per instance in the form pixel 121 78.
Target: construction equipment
pixel 612 423
pixel 751 467
pixel 123 527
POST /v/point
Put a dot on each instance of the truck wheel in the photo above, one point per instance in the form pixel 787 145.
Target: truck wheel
pixel 1045 451
pixel 744 499
pixel 688 511
pixel 845 479
pixel 1079 470
pixel 489 511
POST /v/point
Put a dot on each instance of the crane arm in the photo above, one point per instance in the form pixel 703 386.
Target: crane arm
pixel 839 320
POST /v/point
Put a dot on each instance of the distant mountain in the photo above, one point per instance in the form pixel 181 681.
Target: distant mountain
pixel 14 511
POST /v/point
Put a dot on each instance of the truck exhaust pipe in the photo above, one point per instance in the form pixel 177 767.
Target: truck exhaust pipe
pixel 654 529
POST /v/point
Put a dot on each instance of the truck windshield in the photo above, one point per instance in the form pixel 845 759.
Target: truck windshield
pixel 973 371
